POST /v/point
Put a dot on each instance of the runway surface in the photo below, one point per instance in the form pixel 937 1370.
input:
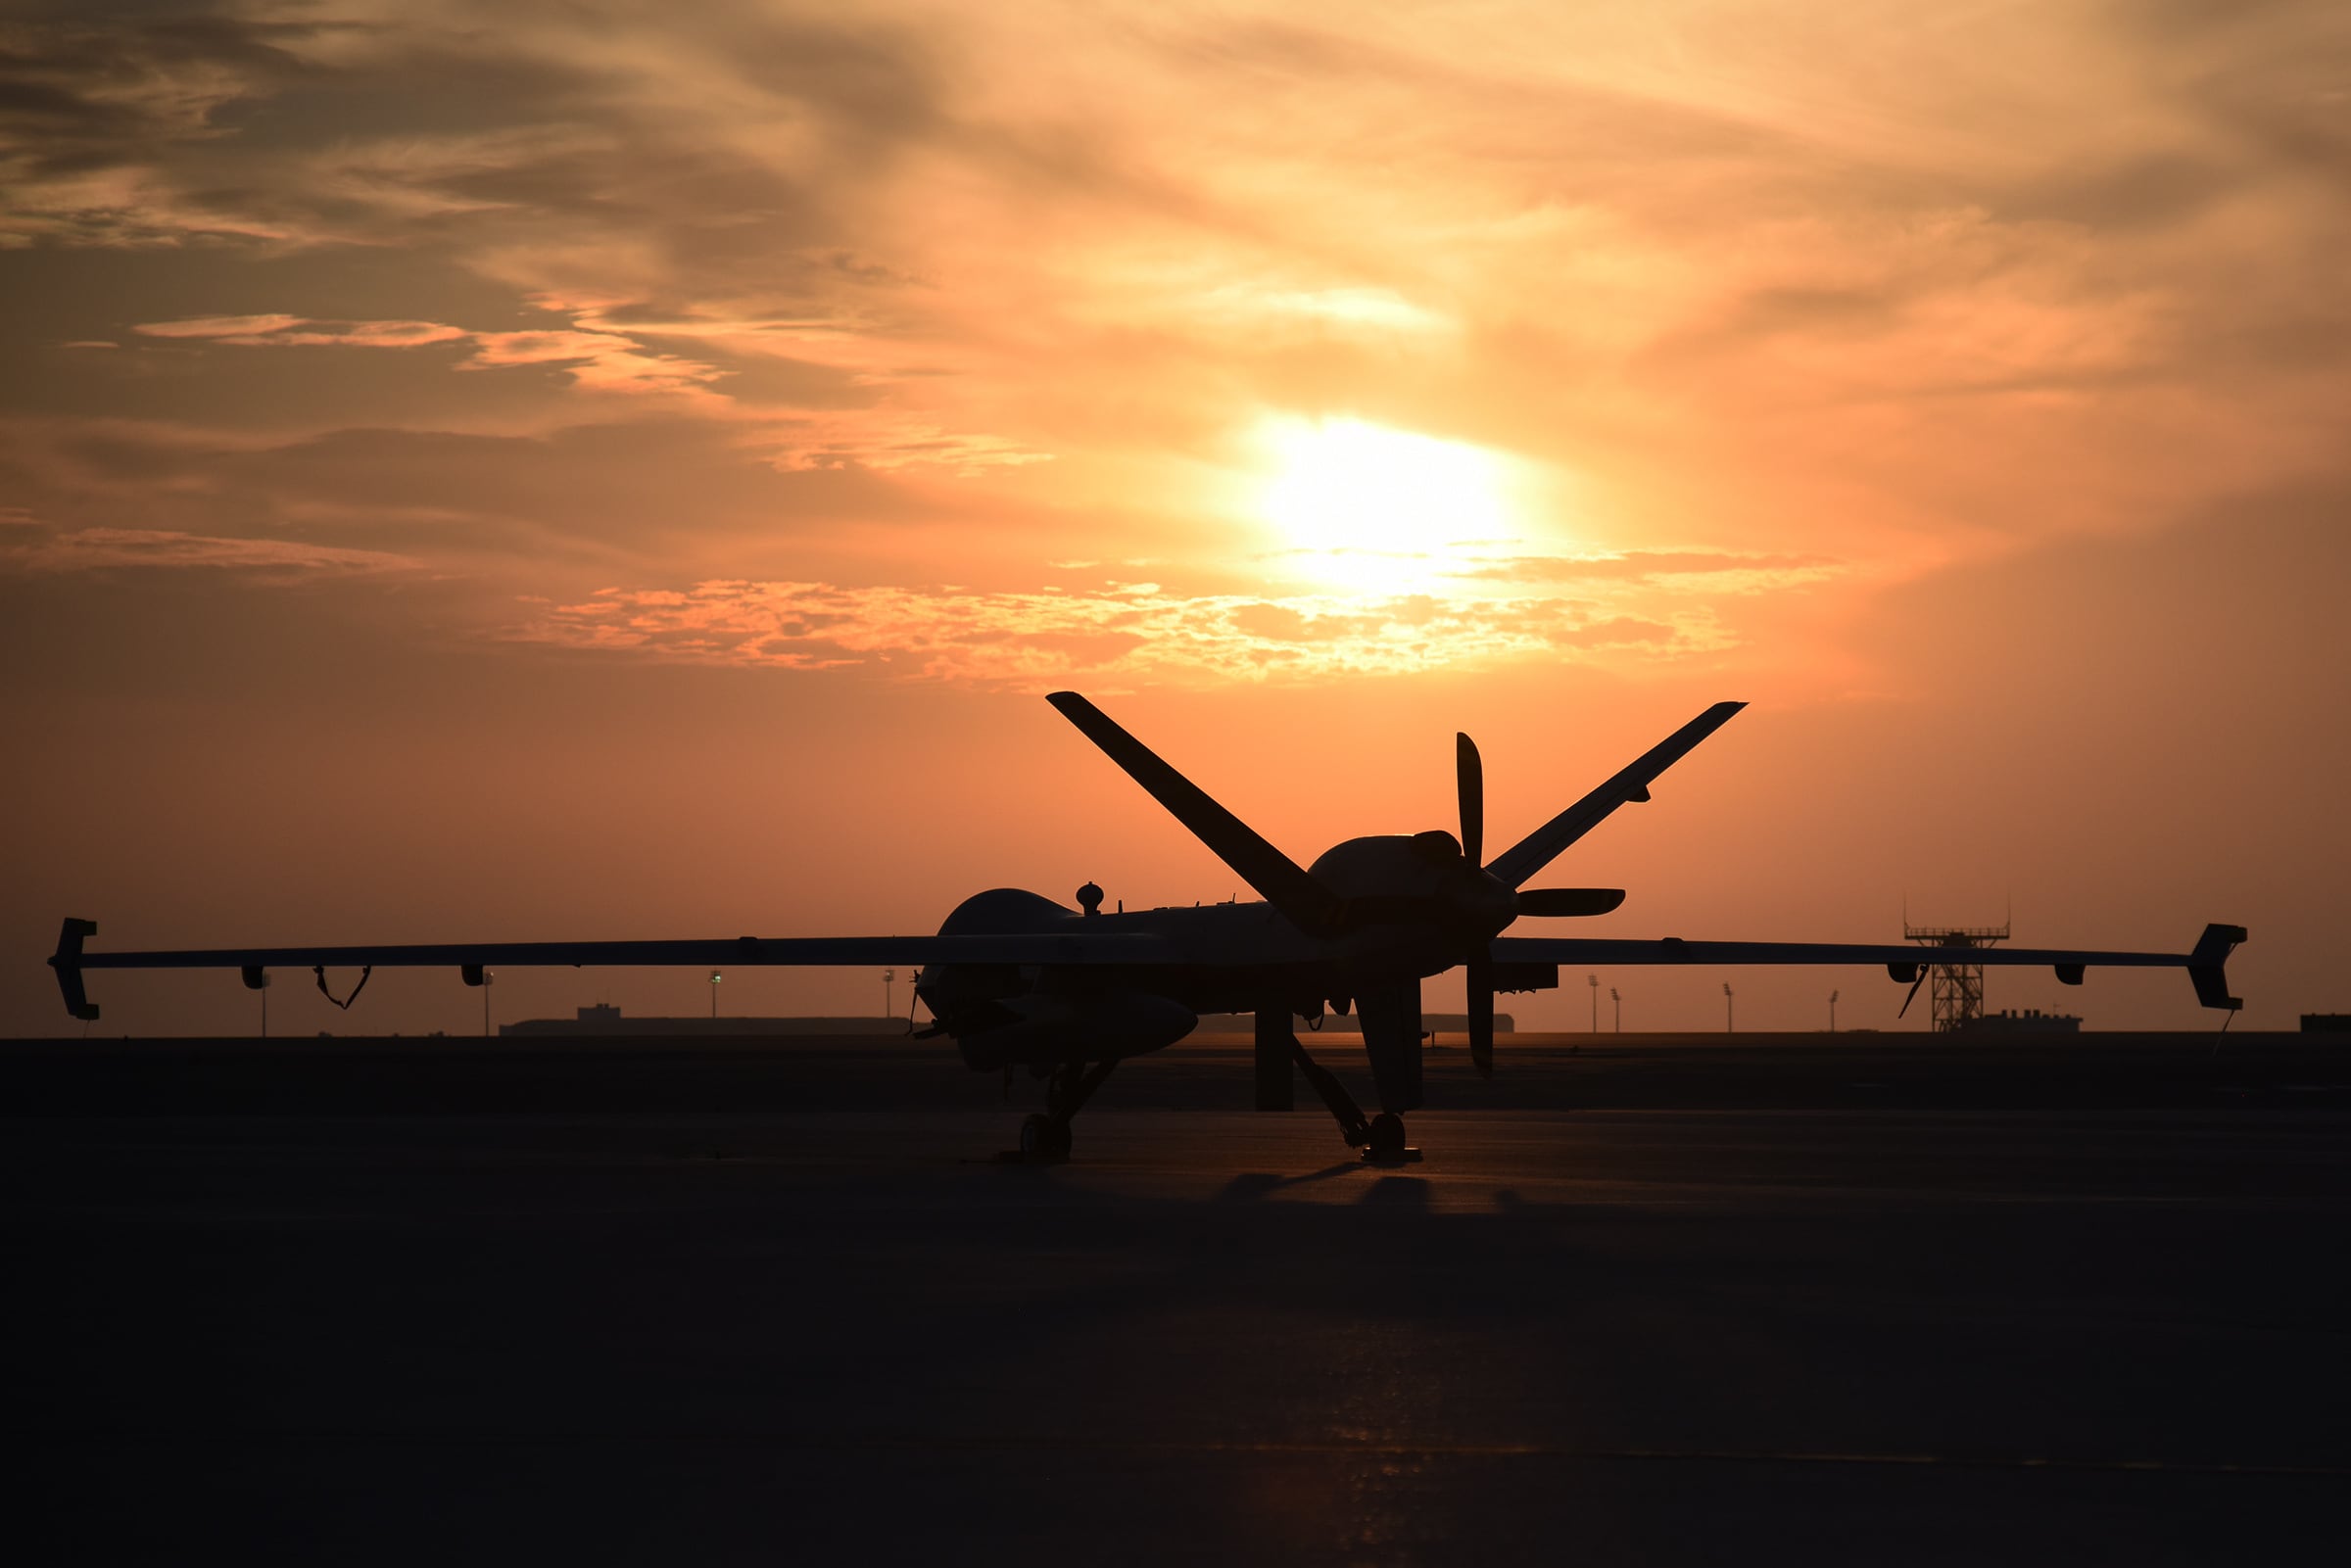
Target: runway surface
pixel 1982 1324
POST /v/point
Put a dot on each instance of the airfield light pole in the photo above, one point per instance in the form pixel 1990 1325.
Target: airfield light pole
pixel 488 980
pixel 1618 997
pixel 1832 1011
pixel 889 1007
pixel 1729 1021
pixel 1595 981
pixel 715 978
pixel 264 1005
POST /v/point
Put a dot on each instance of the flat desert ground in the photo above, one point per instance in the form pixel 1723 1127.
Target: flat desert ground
pixel 1862 1299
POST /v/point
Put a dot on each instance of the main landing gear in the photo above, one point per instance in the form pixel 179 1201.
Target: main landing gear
pixel 1387 1145
pixel 1381 1138
pixel 1045 1136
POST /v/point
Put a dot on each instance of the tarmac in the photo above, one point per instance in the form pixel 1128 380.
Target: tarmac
pixel 1871 1299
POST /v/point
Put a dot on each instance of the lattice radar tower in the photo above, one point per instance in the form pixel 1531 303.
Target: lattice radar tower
pixel 1955 991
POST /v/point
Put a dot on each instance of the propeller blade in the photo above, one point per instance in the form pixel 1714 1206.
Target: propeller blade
pixel 1469 779
pixel 1569 900
pixel 1481 1013
pixel 1284 883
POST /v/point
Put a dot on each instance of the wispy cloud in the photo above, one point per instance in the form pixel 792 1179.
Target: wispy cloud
pixel 91 549
pixel 1706 572
pixel 1132 632
pixel 602 362
pixel 1817 300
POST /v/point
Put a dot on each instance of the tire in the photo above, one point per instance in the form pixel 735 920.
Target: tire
pixel 1044 1139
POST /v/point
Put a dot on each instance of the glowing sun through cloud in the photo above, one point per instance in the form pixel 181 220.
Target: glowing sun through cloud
pixel 1371 509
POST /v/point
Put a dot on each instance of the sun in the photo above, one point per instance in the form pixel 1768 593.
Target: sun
pixel 1368 507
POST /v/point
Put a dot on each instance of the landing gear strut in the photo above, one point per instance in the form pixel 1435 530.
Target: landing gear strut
pixel 1381 1138
pixel 1045 1136
pixel 1350 1115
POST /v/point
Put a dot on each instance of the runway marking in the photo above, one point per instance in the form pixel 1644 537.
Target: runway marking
pixel 796 1442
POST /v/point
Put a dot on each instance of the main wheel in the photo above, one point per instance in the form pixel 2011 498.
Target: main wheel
pixel 1043 1138
pixel 1387 1136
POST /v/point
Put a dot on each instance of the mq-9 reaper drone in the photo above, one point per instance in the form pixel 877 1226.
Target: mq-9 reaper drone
pixel 1017 980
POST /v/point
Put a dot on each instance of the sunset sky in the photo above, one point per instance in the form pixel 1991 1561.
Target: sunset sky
pixel 575 471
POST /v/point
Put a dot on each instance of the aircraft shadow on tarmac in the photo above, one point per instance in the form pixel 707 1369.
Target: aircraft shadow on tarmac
pixel 1261 1183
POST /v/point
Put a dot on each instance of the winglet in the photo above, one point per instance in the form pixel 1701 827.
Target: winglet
pixel 2204 965
pixel 66 961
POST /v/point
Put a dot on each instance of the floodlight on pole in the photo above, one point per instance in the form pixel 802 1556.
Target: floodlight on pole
pixel 715 978
pixel 1729 1021
pixel 1832 1011
pixel 889 1007
pixel 1618 997
pixel 1595 981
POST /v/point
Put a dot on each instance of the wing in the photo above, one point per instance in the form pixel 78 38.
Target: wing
pixel 470 959
pixel 1541 847
pixel 2204 964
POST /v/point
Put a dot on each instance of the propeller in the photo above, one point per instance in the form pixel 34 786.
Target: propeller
pixel 1469 779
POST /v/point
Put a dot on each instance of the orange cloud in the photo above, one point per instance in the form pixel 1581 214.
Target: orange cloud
pixel 604 361
pixel 90 550
pixel 1126 634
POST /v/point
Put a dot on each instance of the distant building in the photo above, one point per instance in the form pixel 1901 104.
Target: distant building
pixel 1332 1023
pixel 602 1018
pixel 2032 1021
pixel 2326 1023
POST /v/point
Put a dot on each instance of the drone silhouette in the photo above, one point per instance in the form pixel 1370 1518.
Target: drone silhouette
pixel 1018 979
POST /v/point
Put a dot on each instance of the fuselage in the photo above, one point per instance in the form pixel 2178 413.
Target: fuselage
pixel 1231 957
